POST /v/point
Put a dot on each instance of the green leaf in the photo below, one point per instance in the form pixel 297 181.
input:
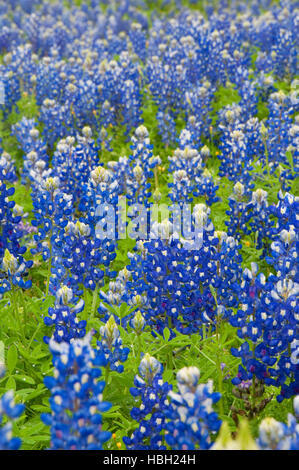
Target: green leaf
pixel 24 393
pixel 31 393
pixel 12 358
pixel 11 384
pixel 41 408
pixel 168 376
pixel 166 334
pixel 24 378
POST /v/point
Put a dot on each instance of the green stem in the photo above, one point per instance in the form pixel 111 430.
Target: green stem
pixel 169 359
pixel 267 158
pixel 24 309
pixel 218 361
pixel 85 311
pixel 16 313
pixel 253 377
pixel 139 347
pixel 49 275
pixel 94 300
pixel 292 162
pixel 107 372
pixel 39 326
pixel 156 178
pixel 204 331
pixel 50 259
pixel 253 392
pixel 218 353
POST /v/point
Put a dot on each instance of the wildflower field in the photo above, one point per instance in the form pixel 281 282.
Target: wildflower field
pixel 149 225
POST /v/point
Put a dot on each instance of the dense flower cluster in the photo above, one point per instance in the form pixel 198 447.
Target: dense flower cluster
pixel 11 411
pixel 7 167
pixel 35 158
pixel 165 276
pixel 184 420
pixel 64 316
pixel 76 397
pixel 111 346
pixel 267 321
pixel 153 393
pixel 274 435
pixel 192 418
pixel 13 265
